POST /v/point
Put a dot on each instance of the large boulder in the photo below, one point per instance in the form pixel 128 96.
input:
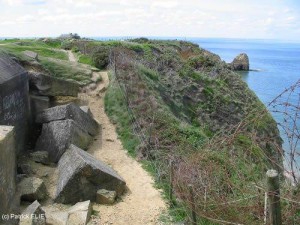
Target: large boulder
pixel 57 136
pixel 33 215
pixel 50 86
pixel 81 176
pixel 69 111
pixel 241 62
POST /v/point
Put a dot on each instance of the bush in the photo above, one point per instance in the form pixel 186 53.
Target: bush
pixel 67 45
pixel 101 57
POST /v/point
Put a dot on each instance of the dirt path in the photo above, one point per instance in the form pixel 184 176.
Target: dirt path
pixel 72 57
pixel 142 204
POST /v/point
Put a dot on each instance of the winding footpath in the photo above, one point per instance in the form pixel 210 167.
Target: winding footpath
pixel 142 204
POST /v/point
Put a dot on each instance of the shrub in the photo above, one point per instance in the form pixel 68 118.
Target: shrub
pixel 100 57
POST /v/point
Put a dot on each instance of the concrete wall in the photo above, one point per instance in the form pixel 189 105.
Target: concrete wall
pixel 14 99
pixel 8 200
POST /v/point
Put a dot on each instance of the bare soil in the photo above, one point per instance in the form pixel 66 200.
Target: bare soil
pixel 142 203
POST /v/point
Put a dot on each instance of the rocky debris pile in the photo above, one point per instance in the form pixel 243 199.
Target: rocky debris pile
pixel 79 170
pixel 62 126
pixel 66 131
pixel 62 134
pixel 79 176
pixel 240 63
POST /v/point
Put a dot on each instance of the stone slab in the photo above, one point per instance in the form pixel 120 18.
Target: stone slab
pixel 14 99
pixel 9 203
pixel 69 111
pixel 57 136
pixel 81 175
pixel 47 85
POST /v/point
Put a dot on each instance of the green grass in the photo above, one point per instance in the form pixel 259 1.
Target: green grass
pixel 153 75
pixel 42 51
pixel 85 59
pixel 116 108
pixel 67 71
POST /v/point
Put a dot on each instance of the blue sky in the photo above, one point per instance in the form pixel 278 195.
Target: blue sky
pixel 270 19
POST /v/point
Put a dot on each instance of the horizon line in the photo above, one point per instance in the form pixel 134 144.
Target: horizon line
pixel 157 37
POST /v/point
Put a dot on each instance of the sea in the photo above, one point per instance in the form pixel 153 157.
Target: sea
pixel 274 69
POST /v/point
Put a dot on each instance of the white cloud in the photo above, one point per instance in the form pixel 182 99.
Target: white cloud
pixel 226 18
pixel 11 2
pixel 26 19
pixel 165 4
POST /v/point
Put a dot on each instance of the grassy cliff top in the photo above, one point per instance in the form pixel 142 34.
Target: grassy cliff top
pixel 174 101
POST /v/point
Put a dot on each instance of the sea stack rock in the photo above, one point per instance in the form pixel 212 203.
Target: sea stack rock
pixel 241 62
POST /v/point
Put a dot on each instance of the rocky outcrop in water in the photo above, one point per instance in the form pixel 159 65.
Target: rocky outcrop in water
pixel 240 63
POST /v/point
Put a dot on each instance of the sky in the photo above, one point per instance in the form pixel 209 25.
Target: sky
pixel 261 19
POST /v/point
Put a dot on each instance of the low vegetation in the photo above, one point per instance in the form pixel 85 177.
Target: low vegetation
pixel 191 120
pixel 51 57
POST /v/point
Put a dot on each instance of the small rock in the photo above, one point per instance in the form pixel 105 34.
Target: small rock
pixel 80 213
pixel 40 157
pixel 25 168
pixel 102 90
pixel 106 197
pixel 20 177
pixel 110 140
pixel 32 188
pixel 92 86
pixel 31 54
pixel 87 110
pixel 33 215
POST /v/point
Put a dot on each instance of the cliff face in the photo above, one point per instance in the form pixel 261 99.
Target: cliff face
pixel 173 101
pixel 197 87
